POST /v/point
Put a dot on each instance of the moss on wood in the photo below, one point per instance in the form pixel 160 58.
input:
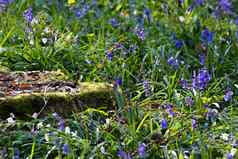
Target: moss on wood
pixel 89 95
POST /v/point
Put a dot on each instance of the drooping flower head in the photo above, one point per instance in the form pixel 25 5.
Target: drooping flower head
pixel 173 62
pixel 169 109
pixel 194 123
pixel 147 14
pixel 202 59
pixel 16 154
pixel 109 55
pixel 164 123
pixel 114 23
pixel 146 87
pixel 140 32
pixel 141 149
pixel 61 125
pixel 65 149
pixel 118 82
pixel 229 156
pixel 189 101
pixel 180 2
pixel 225 6
pixel 199 2
pixel 28 15
pixel 123 155
pixel 201 80
pixel 207 36
pixel 228 95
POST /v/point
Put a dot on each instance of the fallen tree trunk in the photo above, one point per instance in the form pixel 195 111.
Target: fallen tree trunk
pixel 61 96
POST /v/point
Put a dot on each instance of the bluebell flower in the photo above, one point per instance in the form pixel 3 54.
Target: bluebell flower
pixel 85 9
pixel 28 15
pixel 3 5
pixel 190 8
pixel 16 154
pixel 65 149
pixel 236 21
pixel 225 6
pixel 146 87
pixel 109 55
pixel 169 108
pixel 229 156
pixel 113 22
pixel 184 83
pixel 118 82
pixel 211 115
pixel 199 2
pixel 78 13
pixel 123 155
pixel 194 123
pixel 141 150
pixel 202 79
pixel 147 14
pixel 173 62
pixel 207 36
pixel 228 95
pixel 178 43
pixel 140 32
pixel 189 101
pixel 202 59
pixel 164 123
pixel 81 12
pixel 61 125
pixel 4 2
pixel 180 2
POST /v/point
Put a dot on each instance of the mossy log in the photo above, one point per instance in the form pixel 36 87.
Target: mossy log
pixel 96 95
pixel 35 98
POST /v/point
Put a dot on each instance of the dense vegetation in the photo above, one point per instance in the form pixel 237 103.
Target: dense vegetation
pixel 174 60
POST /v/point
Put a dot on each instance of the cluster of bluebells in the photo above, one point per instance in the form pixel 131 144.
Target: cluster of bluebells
pixel 225 6
pixel 189 101
pixel 28 15
pixel 173 62
pixel 140 32
pixel 81 12
pixel 169 109
pixel 201 80
pixel 4 4
pixel 123 155
pixel 114 23
pixel 207 36
pixel 147 89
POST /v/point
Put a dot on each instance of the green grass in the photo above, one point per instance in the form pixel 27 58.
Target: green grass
pixel 80 46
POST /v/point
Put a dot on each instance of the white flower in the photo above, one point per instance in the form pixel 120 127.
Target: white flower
pixel 44 40
pixel 10 120
pixel 233 151
pixel 67 130
pixel 47 137
pixel 39 125
pixel 35 115
pixel 225 136
pixel 181 19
